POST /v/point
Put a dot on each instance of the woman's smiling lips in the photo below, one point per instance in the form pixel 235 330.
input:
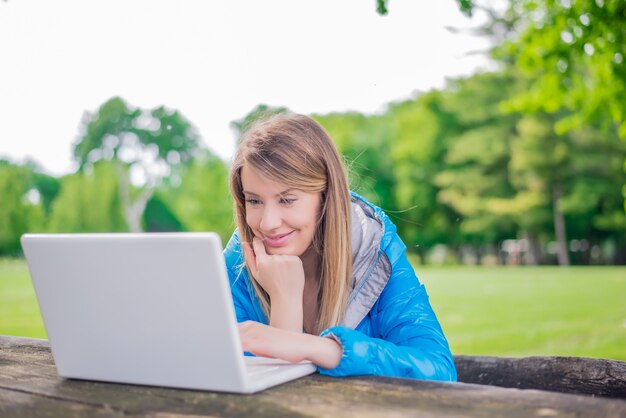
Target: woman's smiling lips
pixel 277 240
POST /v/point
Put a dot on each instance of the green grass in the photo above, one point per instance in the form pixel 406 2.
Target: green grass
pixel 19 312
pixel 505 311
pixel 523 311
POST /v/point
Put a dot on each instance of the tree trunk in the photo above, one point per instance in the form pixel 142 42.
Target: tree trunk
pixel 532 256
pixel 478 250
pixel 421 252
pixel 559 226
pixel 132 210
pixel 588 376
pixel 137 208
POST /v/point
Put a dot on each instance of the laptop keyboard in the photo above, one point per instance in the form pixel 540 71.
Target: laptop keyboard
pixel 258 370
pixel 260 366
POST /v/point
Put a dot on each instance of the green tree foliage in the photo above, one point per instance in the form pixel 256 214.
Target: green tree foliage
pixel 89 201
pixel 21 210
pixel 570 182
pixel 466 6
pixel 365 144
pixel 202 201
pixel 421 128
pixel 511 176
pixel 144 145
pixel 573 52
pixel 258 114
pixel 158 217
pixel 473 178
pixel 48 188
pixel 541 169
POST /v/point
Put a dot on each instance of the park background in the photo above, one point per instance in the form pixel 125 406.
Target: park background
pixel 506 184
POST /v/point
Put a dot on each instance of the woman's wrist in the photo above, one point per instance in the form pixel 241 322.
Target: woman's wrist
pixel 286 313
pixel 324 352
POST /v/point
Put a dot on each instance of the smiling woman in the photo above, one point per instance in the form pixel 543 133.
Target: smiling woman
pixel 286 219
pixel 318 273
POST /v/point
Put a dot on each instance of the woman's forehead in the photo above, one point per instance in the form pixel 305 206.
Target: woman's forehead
pixel 254 182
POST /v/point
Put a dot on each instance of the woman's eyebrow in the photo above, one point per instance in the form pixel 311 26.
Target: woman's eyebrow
pixel 284 192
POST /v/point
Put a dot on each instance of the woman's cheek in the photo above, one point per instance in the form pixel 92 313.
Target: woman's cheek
pixel 250 221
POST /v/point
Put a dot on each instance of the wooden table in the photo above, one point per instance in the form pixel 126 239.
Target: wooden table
pixel 30 386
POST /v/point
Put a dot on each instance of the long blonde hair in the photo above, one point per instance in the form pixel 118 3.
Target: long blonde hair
pixel 296 151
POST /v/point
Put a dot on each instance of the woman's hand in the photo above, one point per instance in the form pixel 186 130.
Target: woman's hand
pixel 266 341
pixel 282 277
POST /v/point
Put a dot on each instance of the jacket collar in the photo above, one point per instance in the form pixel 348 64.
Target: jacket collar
pixel 370 267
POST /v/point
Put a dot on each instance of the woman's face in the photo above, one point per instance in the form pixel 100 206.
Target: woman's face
pixel 285 219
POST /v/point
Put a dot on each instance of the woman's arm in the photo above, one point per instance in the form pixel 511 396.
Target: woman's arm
pixel 267 341
pixel 410 341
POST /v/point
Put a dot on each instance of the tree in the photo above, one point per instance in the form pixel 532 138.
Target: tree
pixel 258 114
pixel 465 6
pixel 365 145
pixel 541 170
pixel 421 129
pixel 89 201
pixel 202 201
pixel 573 178
pixel 573 53
pixel 21 210
pixel 473 179
pixel 158 217
pixel 144 146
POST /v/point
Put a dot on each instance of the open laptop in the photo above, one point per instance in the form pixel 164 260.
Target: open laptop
pixel 149 309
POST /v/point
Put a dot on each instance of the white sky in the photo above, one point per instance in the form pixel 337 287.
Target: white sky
pixel 214 61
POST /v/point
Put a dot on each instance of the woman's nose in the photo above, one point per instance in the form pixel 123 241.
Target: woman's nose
pixel 270 219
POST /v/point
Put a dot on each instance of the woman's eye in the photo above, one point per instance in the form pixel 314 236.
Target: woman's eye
pixel 287 201
pixel 253 201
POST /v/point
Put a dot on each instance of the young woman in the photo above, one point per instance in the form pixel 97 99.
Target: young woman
pixel 318 273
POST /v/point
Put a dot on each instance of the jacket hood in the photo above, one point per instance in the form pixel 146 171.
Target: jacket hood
pixel 371 268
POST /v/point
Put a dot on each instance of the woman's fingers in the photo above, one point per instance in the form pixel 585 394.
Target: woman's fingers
pixel 253 338
pixel 259 247
pixel 266 341
pixel 280 275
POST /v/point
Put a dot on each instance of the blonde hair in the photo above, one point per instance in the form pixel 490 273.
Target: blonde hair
pixel 296 151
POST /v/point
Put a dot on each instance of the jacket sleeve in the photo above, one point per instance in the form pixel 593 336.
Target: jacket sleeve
pixel 411 342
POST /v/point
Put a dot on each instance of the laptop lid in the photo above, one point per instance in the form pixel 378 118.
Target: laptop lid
pixel 151 309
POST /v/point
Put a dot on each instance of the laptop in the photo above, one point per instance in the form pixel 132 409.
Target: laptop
pixel 148 309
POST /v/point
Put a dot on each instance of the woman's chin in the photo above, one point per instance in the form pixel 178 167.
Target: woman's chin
pixel 286 250
pixel 279 251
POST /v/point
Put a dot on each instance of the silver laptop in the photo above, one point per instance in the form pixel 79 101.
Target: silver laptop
pixel 149 309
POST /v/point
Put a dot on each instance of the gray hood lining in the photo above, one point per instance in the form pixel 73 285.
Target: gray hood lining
pixel 371 268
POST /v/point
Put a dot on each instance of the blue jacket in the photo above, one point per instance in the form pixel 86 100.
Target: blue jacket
pixel 389 327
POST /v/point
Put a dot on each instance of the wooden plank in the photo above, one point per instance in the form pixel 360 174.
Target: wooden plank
pixel 19 404
pixel 598 377
pixel 30 386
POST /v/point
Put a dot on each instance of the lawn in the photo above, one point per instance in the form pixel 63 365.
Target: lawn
pixel 19 312
pixel 505 311
pixel 523 311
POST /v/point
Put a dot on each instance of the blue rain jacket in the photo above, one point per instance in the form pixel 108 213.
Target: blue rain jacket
pixel 389 327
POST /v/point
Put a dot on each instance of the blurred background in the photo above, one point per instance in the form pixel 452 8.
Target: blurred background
pixel 492 132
